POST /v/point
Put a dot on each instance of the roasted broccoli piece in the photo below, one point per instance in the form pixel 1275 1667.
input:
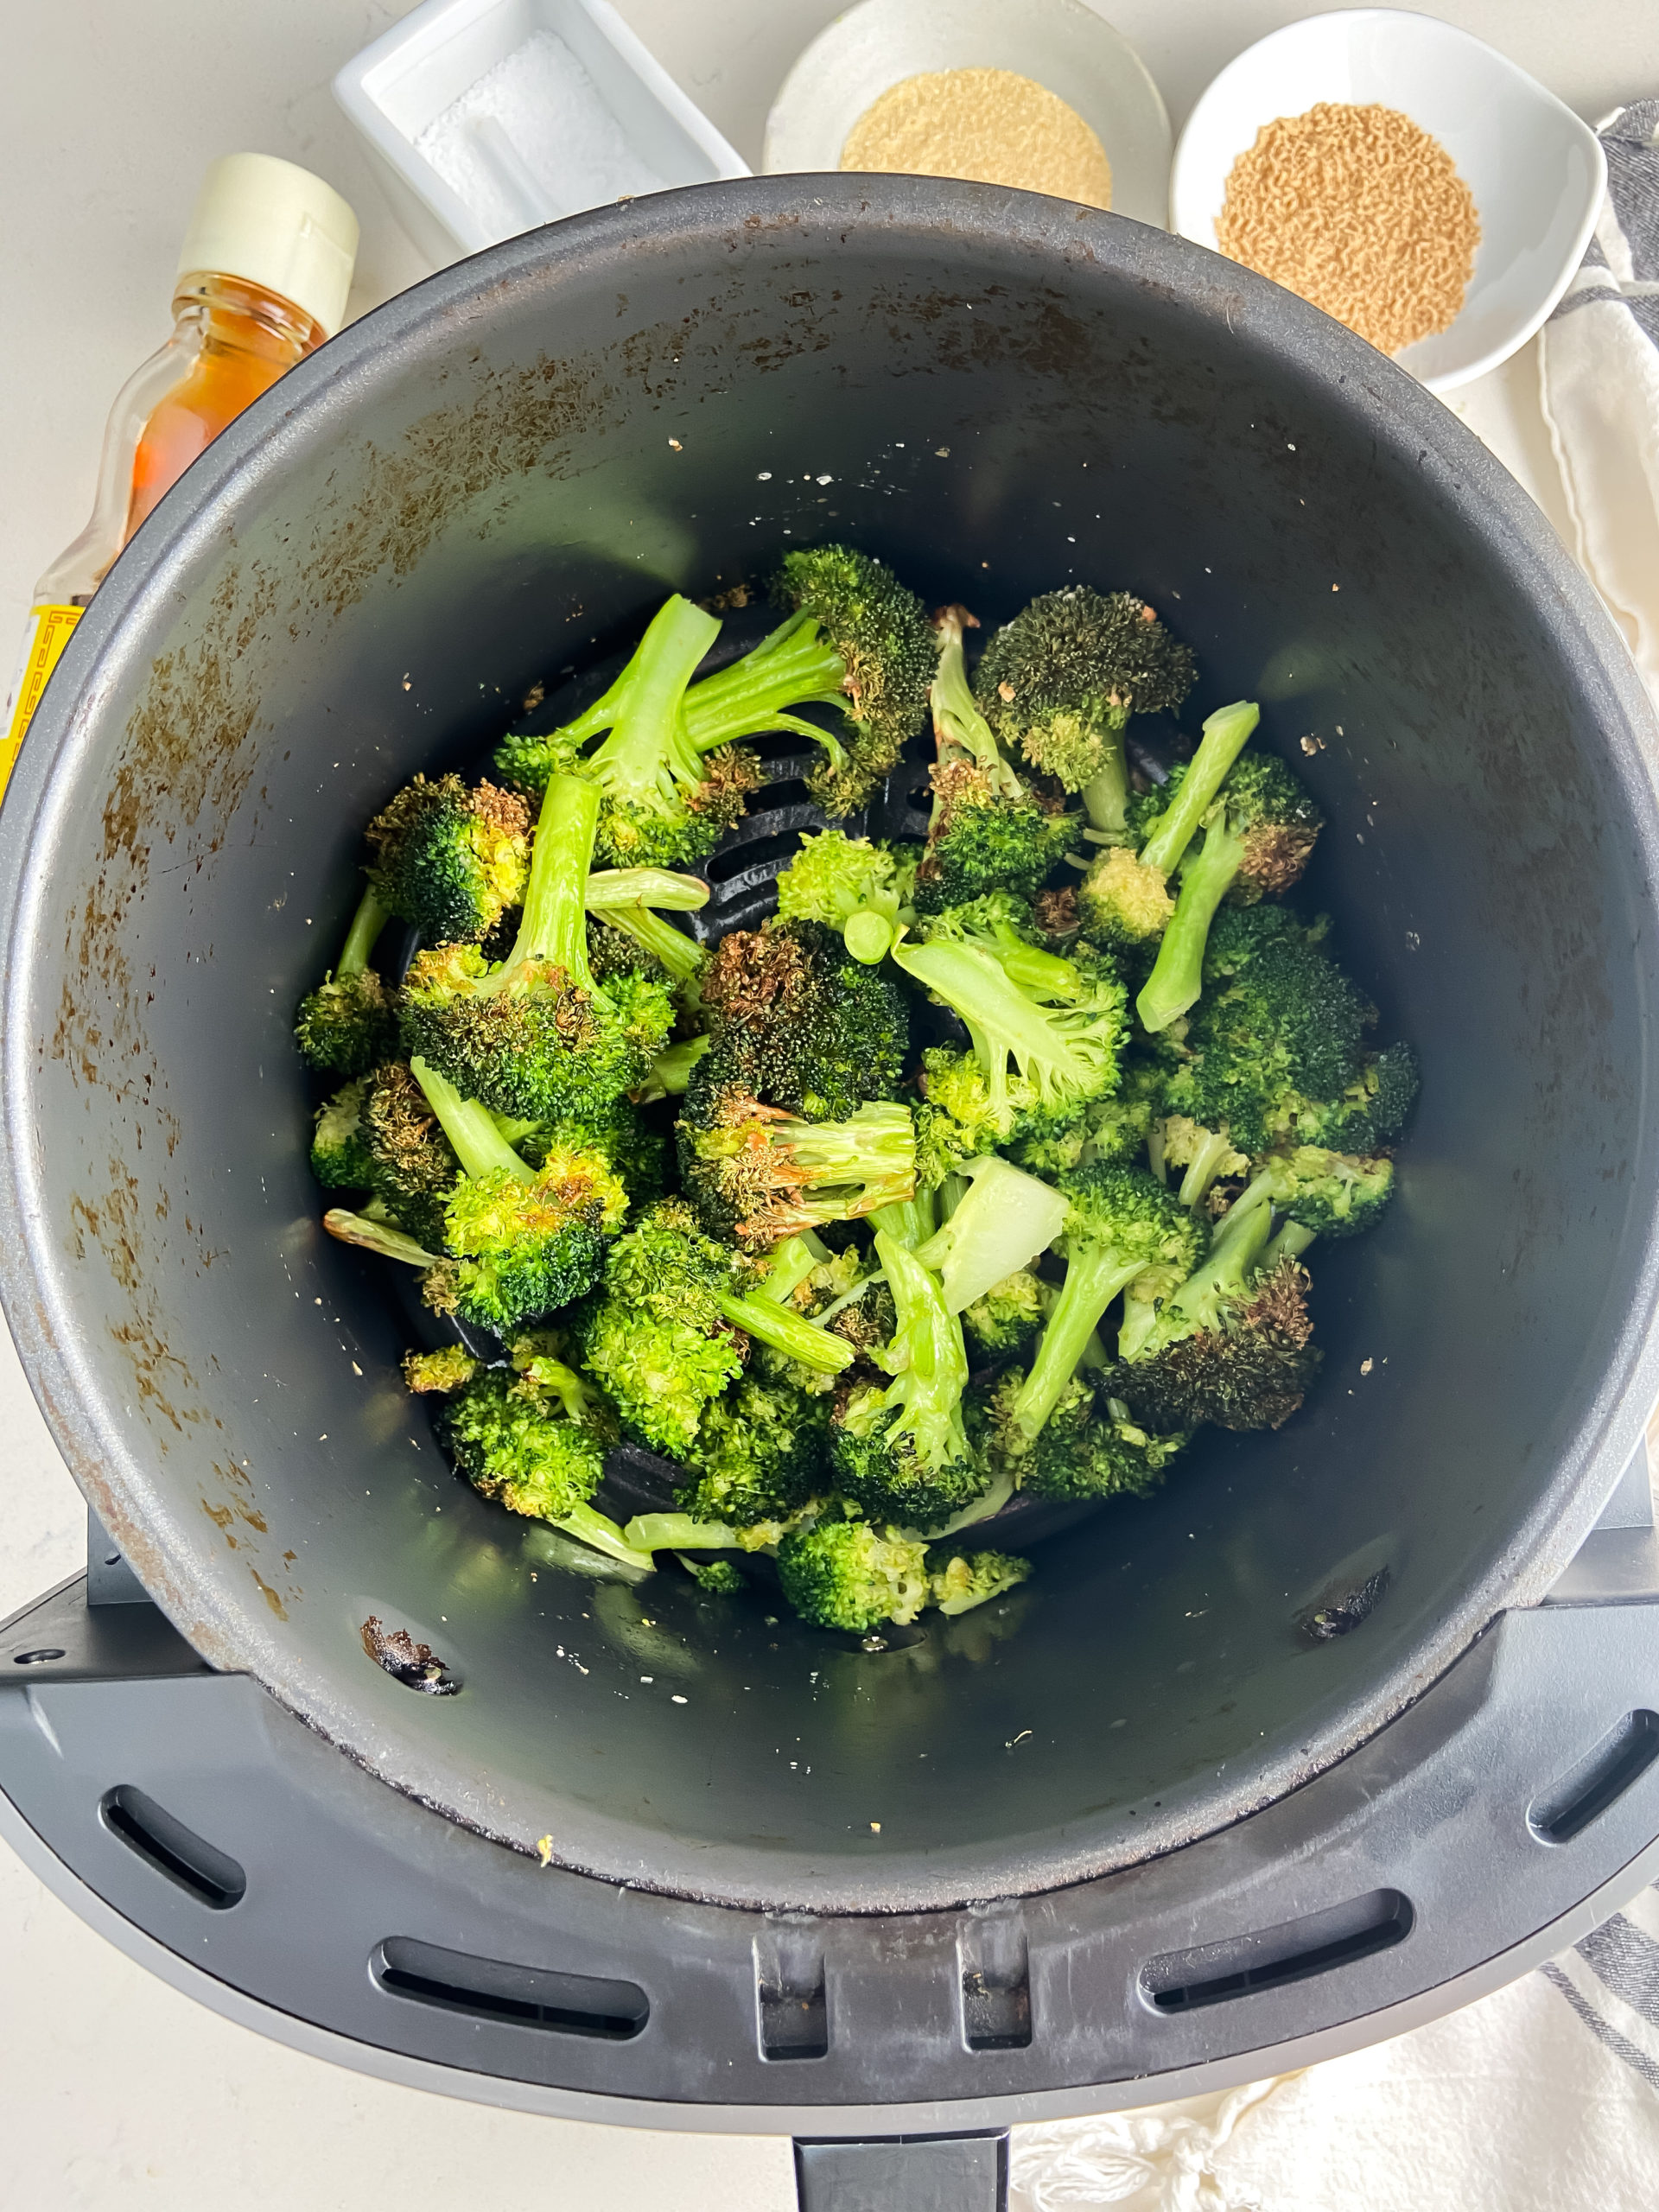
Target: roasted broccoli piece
pixel 798 1023
pixel 1122 1227
pixel 1007 1321
pixel 346 1027
pixel 668 1331
pixel 339 1157
pixel 449 859
pixel 717 1576
pixel 880 634
pixel 1256 841
pixel 525 1241
pixel 901 1451
pixel 849 884
pixel 1232 1344
pixel 444 1370
pixel 1331 1193
pixel 412 1165
pixel 959 1578
pixel 1089 1447
pixel 1004 1219
pixel 1202 1154
pixel 1062 1021
pixel 849 1573
pixel 1367 1113
pixel 538 1037
pixel 1059 681
pixel 756 1173
pixel 760 1454
pixel 958 1120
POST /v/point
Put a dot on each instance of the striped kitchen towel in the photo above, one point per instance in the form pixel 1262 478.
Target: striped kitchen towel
pixel 1600 387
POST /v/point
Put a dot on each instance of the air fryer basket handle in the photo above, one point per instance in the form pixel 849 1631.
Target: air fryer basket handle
pixel 903 2173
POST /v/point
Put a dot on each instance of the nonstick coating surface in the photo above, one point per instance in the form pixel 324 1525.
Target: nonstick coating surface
pixel 494 479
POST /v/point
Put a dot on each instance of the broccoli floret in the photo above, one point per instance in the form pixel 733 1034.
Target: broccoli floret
pixel 538 1037
pixel 850 1574
pixel 756 1173
pixel 958 1579
pixel 849 884
pixel 902 1453
pixel 412 1165
pixel 1202 1154
pixel 525 1241
pixel 958 1120
pixel 340 1155
pixel 1007 1319
pixel 444 1370
pixel 980 840
pixel 373 1232
pixel 1060 681
pixel 346 1027
pixel 448 860
pixel 514 1440
pixel 798 1023
pixel 1089 1447
pixel 880 634
pixel 1123 1227
pixel 1119 1129
pixel 1369 1112
pixel 1238 933
pixel 1258 836
pixel 1122 902
pixel 717 1576
pixel 760 1453
pixel 1232 1346
pixel 1003 1220
pixel 667 1332
pixel 1332 1193
pixel 1062 1021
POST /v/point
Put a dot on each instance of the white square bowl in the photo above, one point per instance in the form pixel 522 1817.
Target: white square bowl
pixel 408 77
pixel 1535 170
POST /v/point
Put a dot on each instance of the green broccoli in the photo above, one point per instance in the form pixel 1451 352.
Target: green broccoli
pixel 442 1370
pixel 902 1453
pixel 450 860
pixel 717 1576
pixel 516 1441
pixel 1367 1113
pixel 849 1573
pixel 1062 678
pixel 1007 1319
pixel 1122 1225
pixel 525 1241
pixel 412 1165
pixel 958 1578
pixel 666 1333
pixel 756 1173
pixel 849 884
pixel 339 1157
pixel 538 1037
pixel 1005 1219
pixel 1257 838
pixel 1331 1193
pixel 1089 1447
pixel 1232 1344
pixel 1063 1022
pixel 799 1024
pixel 761 1455
pixel 346 1027
pixel 879 632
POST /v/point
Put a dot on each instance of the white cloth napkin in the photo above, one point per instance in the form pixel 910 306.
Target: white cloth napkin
pixel 1600 387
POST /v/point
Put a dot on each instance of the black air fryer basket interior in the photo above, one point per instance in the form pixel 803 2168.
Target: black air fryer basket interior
pixel 490 483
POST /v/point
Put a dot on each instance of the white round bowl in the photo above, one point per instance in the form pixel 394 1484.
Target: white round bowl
pixel 1535 170
pixel 1059 44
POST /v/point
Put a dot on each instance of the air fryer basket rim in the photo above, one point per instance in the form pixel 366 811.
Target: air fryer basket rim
pixel 36 1287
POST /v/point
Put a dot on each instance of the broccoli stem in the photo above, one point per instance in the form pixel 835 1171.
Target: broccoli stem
pixel 786 1331
pixel 376 1236
pixel 1105 796
pixel 867 936
pixel 671 1071
pixel 927 1358
pixel 791 667
pixel 367 923
pixel 1203 1167
pixel 595 1528
pixel 1095 1273
pixel 679 1532
pixel 673 949
pixel 648 751
pixel 909 1222
pixel 792 1258
pixel 1000 1019
pixel 1292 1241
pixel 1177 975
pixel 1231 1262
pixel 660 887
pixel 956 719
pixel 472 1129
pixel 1223 739
pixel 554 925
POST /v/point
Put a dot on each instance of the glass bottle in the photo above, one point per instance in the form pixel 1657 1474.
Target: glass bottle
pixel 263 277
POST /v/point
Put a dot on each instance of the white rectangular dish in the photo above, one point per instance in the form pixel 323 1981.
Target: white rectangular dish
pixel 495 115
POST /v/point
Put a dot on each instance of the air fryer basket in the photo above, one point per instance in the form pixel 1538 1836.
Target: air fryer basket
pixel 487 483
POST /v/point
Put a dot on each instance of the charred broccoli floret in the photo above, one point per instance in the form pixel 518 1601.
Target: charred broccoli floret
pixel 799 1024
pixel 851 1574
pixel 901 1451
pixel 1089 1447
pixel 1257 841
pixel 879 632
pixel 1059 681
pixel 756 1173
pixel 538 1037
pixel 412 1165
pixel 346 1027
pixel 449 859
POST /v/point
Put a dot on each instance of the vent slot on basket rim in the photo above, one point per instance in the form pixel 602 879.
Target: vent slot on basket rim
pixel 1586 1791
pixel 523 1997
pixel 1296 1950
pixel 188 1860
pixel 993 1963
pixel 791 1999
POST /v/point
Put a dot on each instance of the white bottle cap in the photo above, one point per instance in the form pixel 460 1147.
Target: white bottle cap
pixel 274 225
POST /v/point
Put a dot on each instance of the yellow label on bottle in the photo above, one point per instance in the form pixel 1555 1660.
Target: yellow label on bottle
pixel 43 643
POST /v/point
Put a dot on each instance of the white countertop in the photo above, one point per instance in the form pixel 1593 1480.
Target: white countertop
pixel 113 2089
